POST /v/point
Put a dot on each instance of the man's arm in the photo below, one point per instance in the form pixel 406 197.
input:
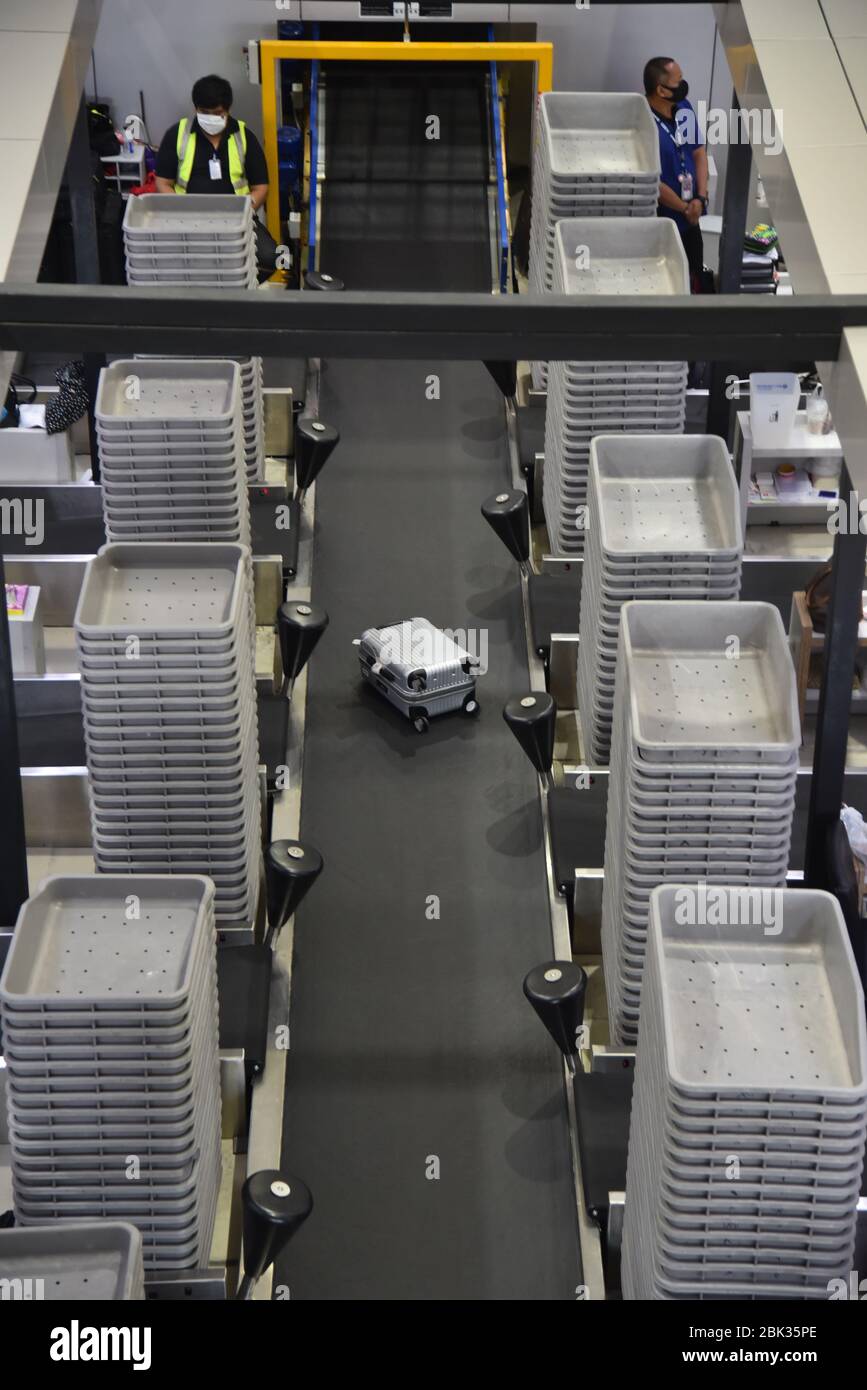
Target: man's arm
pixel 670 199
pixel 701 171
pixel 695 211
pixel 167 161
pixel 257 171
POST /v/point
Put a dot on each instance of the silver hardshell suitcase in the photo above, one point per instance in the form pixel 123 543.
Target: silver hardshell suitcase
pixel 420 669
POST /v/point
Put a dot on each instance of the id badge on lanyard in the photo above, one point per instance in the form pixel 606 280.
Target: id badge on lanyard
pixel 685 177
pixel 214 167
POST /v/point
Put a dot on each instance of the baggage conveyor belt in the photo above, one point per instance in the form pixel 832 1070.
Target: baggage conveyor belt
pixel 424 1102
pixel 401 211
pixel 411 1041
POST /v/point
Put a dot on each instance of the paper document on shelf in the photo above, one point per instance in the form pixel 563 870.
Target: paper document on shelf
pixel 32 417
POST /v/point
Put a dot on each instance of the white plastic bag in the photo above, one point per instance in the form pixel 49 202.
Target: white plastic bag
pixel 856 829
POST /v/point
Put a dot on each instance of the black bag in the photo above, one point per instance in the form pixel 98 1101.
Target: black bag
pixel 11 416
pixel 266 251
pixel 71 401
pixel 112 263
pixel 818 597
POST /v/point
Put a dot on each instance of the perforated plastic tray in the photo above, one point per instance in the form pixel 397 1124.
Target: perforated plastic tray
pixel 691 702
pixel 661 1227
pixel 163 591
pixel 665 498
pixel 64 945
pixel 214 214
pixel 733 976
pixel 230 280
pixel 220 487
pixel 154 447
pixel 149 435
pixel 192 243
pixel 627 255
pixel 227 259
pixel 195 390
pixel 250 366
pixel 135 1068
pixel 610 133
pixel 76 1262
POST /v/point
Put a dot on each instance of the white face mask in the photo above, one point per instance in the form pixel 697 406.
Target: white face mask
pixel 211 125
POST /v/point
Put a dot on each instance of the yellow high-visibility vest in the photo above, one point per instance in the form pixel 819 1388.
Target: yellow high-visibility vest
pixel 187 153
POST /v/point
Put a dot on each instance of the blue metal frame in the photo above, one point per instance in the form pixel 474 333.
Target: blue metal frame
pixel 501 173
pixel 314 159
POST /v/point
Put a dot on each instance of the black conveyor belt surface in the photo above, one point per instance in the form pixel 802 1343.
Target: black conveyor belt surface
pixel 424 1101
pixel 400 211
pixel 411 1039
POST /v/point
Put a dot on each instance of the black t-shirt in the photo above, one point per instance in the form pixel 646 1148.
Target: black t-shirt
pixel 256 166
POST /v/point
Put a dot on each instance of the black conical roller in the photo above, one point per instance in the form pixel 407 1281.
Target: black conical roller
pixel 299 626
pixel 508 513
pixel 274 1206
pixel 557 992
pixel 505 374
pixel 291 869
pixel 315 280
pixel 532 719
pixel 314 444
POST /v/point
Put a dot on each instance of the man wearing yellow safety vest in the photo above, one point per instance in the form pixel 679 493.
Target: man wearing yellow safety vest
pixel 214 153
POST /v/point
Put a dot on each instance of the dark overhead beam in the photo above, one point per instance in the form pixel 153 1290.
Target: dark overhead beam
pixel 117 319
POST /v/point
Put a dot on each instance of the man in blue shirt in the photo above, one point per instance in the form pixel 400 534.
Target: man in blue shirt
pixel 683 184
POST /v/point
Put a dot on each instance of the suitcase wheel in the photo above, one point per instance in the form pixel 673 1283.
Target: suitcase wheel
pixel 421 723
pixel 416 681
pixel 471 706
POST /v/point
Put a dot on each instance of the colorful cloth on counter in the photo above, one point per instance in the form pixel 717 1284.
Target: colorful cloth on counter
pixel 16 599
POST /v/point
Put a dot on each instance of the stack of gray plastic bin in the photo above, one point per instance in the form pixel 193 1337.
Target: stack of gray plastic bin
pixel 110 1028
pixel 171 451
pixel 73 1262
pixel 165 639
pixel 749 1109
pixel 616 256
pixel 664 521
pixel 197 239
pixel 253 404
pixel 704 763
pixel 596 155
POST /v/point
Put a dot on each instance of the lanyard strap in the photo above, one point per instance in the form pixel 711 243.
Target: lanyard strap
pixel 679 145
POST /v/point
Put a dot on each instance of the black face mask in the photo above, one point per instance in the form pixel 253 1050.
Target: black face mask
pixel 680 92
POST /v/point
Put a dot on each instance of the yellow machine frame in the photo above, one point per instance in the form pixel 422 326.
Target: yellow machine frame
pixel 270 50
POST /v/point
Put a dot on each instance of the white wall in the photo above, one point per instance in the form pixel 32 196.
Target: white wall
pixel 162 46
pixel 604 48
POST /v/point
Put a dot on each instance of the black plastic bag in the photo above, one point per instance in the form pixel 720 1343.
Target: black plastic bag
pixel 71 401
